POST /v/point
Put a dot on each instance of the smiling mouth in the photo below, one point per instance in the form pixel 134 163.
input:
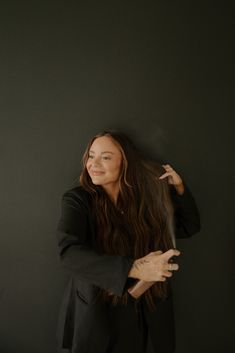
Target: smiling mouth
pixel 97 173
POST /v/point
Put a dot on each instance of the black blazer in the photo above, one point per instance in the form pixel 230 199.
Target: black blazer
pixel 83 324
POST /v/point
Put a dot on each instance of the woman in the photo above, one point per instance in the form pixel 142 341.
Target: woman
pixel 117 228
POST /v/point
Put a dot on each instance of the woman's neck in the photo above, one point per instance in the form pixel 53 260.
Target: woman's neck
pixel 112 191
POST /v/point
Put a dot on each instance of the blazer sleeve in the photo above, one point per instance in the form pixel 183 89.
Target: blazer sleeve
pixel 109 272
pixel 186 213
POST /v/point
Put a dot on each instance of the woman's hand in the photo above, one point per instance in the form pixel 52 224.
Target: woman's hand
pixel 155 266
pixel 173 178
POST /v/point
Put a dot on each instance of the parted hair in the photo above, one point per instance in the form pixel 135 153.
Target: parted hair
pixel 141 221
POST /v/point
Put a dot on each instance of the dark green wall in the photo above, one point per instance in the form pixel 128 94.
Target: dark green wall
pixel 161 71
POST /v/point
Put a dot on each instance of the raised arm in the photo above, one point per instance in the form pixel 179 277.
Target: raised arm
pixel 186 218
pixel 74 233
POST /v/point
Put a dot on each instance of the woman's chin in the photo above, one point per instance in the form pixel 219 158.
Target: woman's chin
pixel 96 182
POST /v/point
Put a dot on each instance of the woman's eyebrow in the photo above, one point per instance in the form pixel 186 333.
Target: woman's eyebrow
pixel 102 152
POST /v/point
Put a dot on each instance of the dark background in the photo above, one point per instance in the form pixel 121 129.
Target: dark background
pixel 161 71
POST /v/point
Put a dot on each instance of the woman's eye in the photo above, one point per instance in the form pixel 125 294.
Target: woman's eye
pixel 104 157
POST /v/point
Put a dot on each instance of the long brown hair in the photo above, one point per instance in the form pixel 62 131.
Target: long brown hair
pixel 142 219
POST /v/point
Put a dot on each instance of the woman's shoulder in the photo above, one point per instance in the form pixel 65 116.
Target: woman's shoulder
pixel 78 194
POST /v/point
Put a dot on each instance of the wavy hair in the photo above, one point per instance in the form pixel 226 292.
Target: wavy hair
pixel 142 219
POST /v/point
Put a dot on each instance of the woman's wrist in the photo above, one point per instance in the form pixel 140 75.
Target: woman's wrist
pixel 134 273
pixel 180 189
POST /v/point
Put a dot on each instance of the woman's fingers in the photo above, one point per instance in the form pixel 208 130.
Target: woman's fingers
pixel 173 177
pixel 155 266
pixel 170 267
pixel 168 169
pixel 158 252
pixel 169 253
pixel 154 253
pixel 167 166
pixel 164 175
pixel 167 274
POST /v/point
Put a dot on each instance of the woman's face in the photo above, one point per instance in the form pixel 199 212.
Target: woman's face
pixel 104 162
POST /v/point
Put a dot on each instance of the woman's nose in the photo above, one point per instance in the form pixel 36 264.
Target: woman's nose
pixel 96 161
